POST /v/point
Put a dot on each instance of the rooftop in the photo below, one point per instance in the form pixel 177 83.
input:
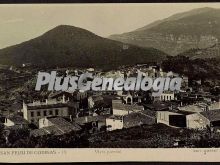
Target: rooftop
pixel 184 112
pixel 47 102
pixel 88 119
pixel 191 108
pixel 115 117
pixel 126 107
pixel 168 92
pixel 135 119
pixel 18 120
pixel 157 106
pixel 46 131
pixel 64 125
pixel 46 106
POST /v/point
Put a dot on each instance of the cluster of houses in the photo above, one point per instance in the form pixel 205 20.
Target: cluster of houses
pixel 64 112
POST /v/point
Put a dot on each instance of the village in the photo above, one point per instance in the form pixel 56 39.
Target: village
pixel 96 112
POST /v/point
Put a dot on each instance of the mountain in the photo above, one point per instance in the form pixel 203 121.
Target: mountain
pixel 196 69
pixel 67 45
pixel 205 53
pixel 198 28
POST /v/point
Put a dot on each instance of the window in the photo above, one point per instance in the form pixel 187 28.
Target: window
pixel 38 113
pixel 56 112
pixel 32 120
pixel 170 98
pixel 45 113
pixel 32 114
pixel 51 112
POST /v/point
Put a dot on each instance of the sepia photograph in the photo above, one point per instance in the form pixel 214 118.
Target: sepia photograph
pixel 87 76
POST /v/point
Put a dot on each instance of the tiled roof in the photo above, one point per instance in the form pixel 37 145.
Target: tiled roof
pixel 88 119
pixel 60 127
pixel 135 119
pixel 191 108
pixel 46 131
pixel 39 132
pixel 149 113
pixel 213 115
pixel 126 107
pixel 64 125
pixel 54 130
pixel 18 120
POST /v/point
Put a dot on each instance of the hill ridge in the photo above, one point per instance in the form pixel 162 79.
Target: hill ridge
pixel 67 45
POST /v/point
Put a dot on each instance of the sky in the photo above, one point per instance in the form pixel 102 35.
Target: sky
pixel 19 23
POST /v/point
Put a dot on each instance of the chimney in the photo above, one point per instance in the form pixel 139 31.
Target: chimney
pixel 63 98
pixel 86 119
pixel 46 101
pixel 71 118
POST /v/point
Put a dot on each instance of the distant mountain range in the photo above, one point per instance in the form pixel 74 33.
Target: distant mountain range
pixel 195 34
pixel 67 45
pixel 198 28
pixel 209 52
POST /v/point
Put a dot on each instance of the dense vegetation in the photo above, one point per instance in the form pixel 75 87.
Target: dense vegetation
pixel 145 136
pixel 194 69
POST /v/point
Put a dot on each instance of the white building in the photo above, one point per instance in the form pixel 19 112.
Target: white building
pixel 114 123
pixel 131 120
pixel 121 109
pixel 167 96
pixel 182 119
pixel 32 112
